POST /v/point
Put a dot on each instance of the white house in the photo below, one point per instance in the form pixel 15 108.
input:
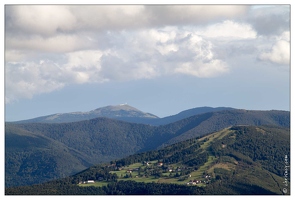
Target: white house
pixel 90 181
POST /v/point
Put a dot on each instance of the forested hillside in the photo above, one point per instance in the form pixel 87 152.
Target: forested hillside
pixel 66 148
pixel 213 121
pixel 236 160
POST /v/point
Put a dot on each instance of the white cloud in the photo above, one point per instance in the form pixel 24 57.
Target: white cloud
pixel 145 55
pixel 24 80
pixel 84 60
pixel 214 68
pixel 166 49
pixel 280 51
pixel 162 36
pixel 204 70
pixel 50 19
pixel 49 47
pixel 202 62
pixel 83 66
pixel 230 30
pixel 285 36
pixel 40 19
pixel 108 17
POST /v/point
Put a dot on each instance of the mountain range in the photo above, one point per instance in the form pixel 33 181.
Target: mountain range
pixel 38 152
pixel 122 112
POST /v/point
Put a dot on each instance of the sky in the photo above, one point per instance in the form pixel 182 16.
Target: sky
pixel 160 59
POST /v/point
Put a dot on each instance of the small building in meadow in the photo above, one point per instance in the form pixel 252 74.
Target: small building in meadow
pixel 90 181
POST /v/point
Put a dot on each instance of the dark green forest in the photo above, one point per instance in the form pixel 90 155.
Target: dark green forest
pixel 245 160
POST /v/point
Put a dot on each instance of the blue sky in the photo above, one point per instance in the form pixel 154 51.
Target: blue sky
pixel 159 59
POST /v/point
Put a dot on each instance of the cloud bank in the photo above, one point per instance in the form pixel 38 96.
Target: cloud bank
pixel 48 47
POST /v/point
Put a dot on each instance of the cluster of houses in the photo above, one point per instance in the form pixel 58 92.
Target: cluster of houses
pixel 195 182
pixel 205 179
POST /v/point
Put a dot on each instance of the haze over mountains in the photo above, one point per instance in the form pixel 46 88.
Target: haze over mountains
pixel 38 152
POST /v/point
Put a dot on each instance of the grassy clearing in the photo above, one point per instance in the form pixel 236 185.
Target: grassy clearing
pixel 133 166
pixel 141 179
pixel 199 173
pixel 226 166
pixel 261 130
pixel 119 173
pixel 210 138
pixel 129 167
pixel 96 184
pixel 217 135
pixel 195 175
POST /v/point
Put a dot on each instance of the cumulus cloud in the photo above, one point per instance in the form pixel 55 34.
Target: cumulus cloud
pixel 84 66
pixel 229 30
pixel 201 69
pixel 280 51
pixel 48 47
pixel 24 80
pixel 147 54
pixel 202 62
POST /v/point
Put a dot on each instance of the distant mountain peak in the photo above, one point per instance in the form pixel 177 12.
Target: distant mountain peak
pixel 122 110
pixel 119 107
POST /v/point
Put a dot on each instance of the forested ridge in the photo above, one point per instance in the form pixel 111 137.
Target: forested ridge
pixel 36 152
pixel 236 160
